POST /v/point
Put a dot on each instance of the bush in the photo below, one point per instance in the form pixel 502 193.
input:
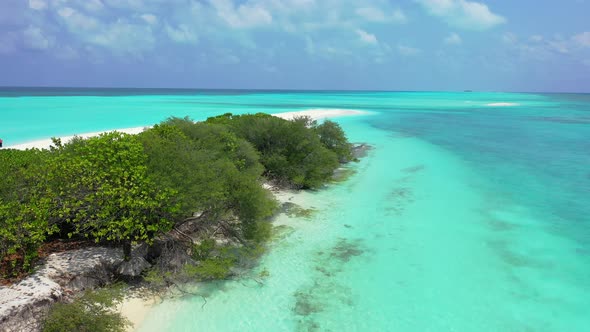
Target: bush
pixel 93 312
pixel 24 225
pixel 100 187
pixel 333 137
pixel 291 151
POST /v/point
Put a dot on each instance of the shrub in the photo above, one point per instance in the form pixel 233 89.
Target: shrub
pixel 93 312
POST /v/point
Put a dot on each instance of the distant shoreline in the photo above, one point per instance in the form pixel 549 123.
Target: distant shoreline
pixel 316 114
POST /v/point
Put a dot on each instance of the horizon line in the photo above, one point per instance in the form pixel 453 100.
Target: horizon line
pixel 280 89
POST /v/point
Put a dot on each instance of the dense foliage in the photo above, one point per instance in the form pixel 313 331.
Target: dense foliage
pixel 93 312
pixel 24 208
pixel 100 189
pixel 300 153
pixel 121 188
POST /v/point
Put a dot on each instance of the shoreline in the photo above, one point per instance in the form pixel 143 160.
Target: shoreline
pixel 136 308
pixel 315 114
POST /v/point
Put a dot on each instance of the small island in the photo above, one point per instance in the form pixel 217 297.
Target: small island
pixel 176 203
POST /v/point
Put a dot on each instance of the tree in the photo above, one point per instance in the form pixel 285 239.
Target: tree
pixel 291 152
pixel 215 172
pixel 24 225
pixel 101 190
pixel 333 137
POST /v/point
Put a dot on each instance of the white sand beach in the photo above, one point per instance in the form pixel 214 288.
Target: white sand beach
pixel 502 104
pixel 320 113
pixel 136 309
pixel 316 114
pixel 46 143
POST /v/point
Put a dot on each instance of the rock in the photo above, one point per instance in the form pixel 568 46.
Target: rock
pixel 133 268
pixel 360 150
pixel 23 305
pixel 82 269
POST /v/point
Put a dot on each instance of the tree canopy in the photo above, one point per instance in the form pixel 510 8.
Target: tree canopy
pixel 298 152
pixel 121 188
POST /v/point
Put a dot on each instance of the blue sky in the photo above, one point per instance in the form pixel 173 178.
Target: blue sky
pixel 497 45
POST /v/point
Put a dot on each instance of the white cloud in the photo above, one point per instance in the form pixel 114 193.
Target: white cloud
pixel 77 21
pixel 34 38
pixel 128 4
pixel 453 39
pixel 150 18
pixel 559 45
pixel 246 15
pixel 542 48
pixel 373 14
pixel 582 39
pixel 407 50
pixel 509 38
pixel 398 16
pixel 366 37
pixel 182 34
pixel 37 4
pixel 92 5
pixel 463 13
pixel 120 37
pixel 124 38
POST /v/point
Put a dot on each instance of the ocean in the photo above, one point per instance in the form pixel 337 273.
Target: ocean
pixel 470 213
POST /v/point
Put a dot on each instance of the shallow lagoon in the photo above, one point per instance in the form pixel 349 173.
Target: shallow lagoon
pixel 464 216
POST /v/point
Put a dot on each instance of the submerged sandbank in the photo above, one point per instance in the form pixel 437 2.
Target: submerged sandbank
pixel 316 114
pixel 320 113
pixel 502 104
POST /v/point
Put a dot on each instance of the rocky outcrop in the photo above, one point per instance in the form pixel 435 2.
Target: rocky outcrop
pixel 133 268
pixel 23 305
pixel 360 150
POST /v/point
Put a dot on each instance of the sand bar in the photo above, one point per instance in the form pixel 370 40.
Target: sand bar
pixel 316 114
pixel 502 104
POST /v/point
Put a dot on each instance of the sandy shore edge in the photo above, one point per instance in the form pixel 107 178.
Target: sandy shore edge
pixel 136 308
pixel 316 114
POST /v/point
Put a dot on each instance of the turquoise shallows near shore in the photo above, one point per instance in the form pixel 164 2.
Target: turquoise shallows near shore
pixel 472 213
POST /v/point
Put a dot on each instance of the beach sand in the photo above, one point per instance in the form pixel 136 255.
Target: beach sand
pixel 502 104
pixel 136 309
pixel 316 114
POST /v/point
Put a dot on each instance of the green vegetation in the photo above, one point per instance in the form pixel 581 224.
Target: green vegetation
pixel 93 312
pixel 101 190
pixel 299 153
pixel 123 189
pixel 24 209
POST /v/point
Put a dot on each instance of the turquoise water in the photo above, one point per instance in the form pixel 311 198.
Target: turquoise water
pixel 464 217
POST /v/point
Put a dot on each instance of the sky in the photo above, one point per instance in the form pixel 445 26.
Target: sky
pixel 492 45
